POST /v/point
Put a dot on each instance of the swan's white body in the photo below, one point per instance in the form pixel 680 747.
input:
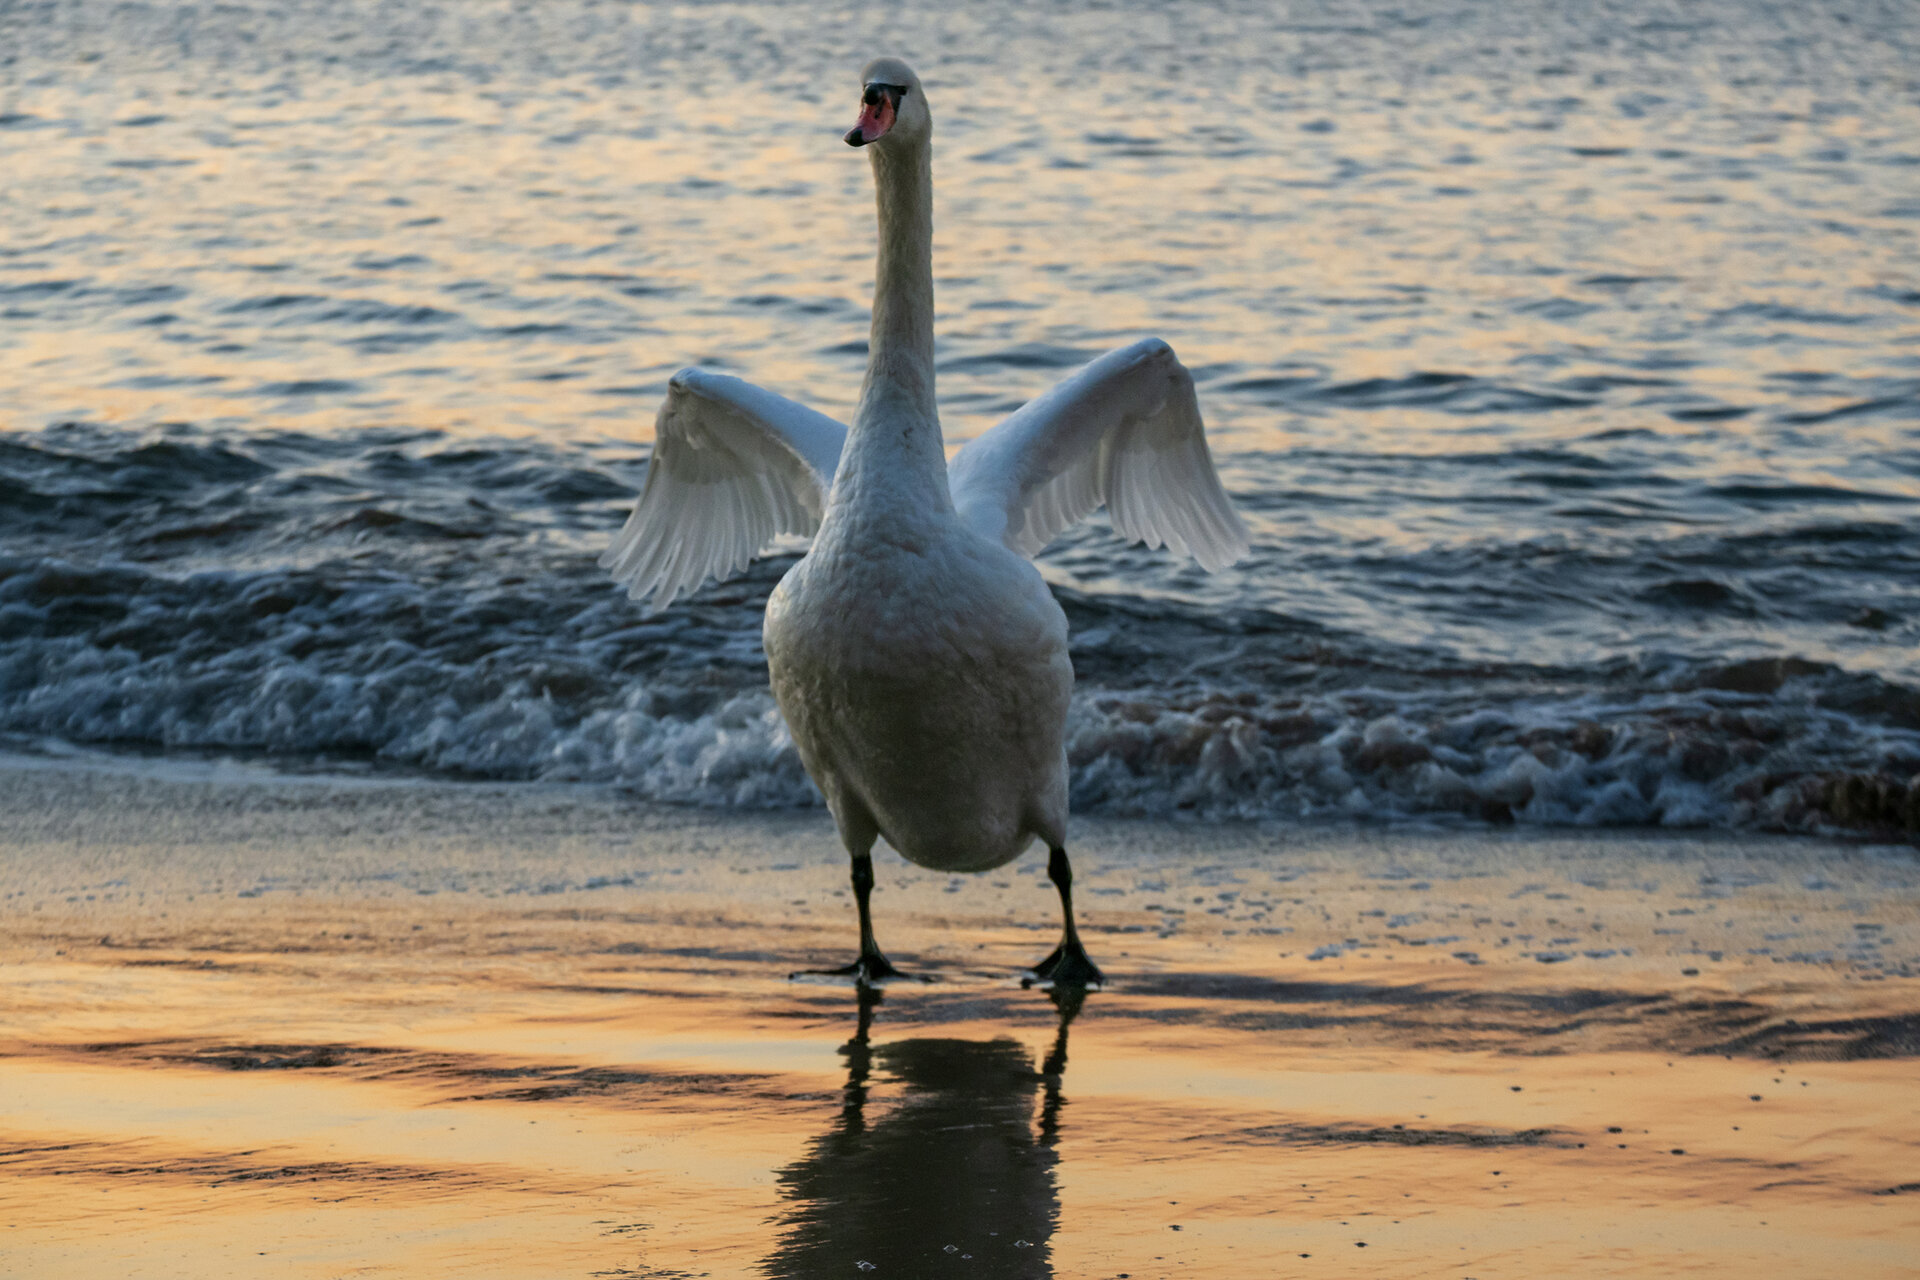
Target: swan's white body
pixel 916 653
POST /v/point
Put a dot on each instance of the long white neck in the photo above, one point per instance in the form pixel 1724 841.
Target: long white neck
pixel 894 453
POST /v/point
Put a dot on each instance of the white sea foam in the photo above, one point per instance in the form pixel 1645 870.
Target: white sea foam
pixel 1679 758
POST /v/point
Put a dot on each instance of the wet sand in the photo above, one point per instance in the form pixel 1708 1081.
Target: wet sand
pixel 326 1027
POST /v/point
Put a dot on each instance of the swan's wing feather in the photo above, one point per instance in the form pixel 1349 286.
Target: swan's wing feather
pixel 733 466
pixel 1124 431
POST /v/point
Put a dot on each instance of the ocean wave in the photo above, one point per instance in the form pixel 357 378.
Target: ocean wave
pixel 417 602
pixel 1659 759
pixel 340 663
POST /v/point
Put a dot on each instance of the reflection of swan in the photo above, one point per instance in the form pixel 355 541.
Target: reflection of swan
pixel 955 1161
pixel 919 659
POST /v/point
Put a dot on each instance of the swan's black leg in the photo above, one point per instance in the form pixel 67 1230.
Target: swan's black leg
pixel 1068 965
pixel 872 967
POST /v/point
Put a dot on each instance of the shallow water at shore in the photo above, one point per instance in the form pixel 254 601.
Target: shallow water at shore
pixel 258 1025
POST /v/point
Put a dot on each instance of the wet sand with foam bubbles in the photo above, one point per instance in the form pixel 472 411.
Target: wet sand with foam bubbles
pixel 326 1027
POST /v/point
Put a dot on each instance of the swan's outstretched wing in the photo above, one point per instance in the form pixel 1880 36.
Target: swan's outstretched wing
pixel 732 466
pixel 1124 431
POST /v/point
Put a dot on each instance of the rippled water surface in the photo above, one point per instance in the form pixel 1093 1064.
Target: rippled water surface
pixel 1563 359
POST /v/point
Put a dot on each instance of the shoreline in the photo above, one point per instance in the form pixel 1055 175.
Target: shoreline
pixel 314 1026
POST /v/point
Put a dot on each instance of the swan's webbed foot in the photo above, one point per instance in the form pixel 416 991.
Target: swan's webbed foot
pixel 873 967
pixel 1066 966
pixel 871 970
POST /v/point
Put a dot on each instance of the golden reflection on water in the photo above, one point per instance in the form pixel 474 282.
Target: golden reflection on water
pixel 584 240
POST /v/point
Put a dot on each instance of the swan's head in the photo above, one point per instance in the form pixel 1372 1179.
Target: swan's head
pixel 892 105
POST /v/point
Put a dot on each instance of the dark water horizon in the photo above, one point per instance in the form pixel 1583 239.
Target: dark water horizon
pixel 1566 366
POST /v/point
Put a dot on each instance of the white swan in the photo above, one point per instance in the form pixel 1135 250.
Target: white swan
pixel 917 655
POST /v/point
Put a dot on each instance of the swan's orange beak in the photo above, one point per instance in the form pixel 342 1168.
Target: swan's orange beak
pixel 877 107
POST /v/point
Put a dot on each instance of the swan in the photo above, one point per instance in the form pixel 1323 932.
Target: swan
pixel 916 653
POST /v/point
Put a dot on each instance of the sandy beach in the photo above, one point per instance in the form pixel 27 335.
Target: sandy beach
pixel 324 1026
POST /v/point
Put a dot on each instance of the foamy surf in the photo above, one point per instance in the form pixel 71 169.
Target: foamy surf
pixel 415 603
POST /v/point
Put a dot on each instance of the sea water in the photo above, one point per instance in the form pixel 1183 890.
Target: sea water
pixel 1564 360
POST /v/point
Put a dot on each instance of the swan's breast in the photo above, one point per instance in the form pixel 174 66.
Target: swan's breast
pixel 916 608
pixel 932 685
